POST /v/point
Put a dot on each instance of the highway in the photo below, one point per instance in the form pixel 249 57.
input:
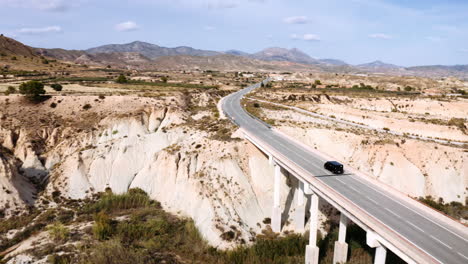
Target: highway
pixel 442 242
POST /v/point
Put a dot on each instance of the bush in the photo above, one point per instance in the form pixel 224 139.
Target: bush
pixel 10 90
pixel 122 79
pixel 102 228
pixel 58 232
pixel 289 249
pixel 164 79
pixel 86 107
pixel 109 202
pixel 13 58
pixel 53 105
pixel 32 89
pixel 408 88
pixel 458 122
pixel 318 82
pixel 57 87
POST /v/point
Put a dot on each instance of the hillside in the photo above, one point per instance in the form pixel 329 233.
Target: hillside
pixel 281 54
pixel 60 54
pixel 9 46
pixel 460 71
pixel 226 63
pixel 379 65
pixel 150 50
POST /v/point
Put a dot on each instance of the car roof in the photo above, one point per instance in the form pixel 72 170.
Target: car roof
pixel 335 163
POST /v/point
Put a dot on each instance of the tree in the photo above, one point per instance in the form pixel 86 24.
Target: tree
pixel 408 88
pixel 164 79
pixel 57 87
pixel 318 82
pixel 122 79
pixel 10 90
pixel 32 89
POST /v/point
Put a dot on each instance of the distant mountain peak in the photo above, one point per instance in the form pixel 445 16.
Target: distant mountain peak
pixel 379 64
pixel 282 54
pixel 150 50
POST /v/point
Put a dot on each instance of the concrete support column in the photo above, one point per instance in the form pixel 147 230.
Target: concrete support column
pixel 380 255
pixel 340 253
pixel 380 250
pixel 312 251
pixel 276 213
pixel 299 218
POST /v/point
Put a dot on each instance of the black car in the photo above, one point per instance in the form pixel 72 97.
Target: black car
pixel 334 166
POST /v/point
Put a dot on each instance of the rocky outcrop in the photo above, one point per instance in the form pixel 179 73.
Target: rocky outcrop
pixel 16 192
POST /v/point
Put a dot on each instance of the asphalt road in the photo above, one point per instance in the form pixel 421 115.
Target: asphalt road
pixel 441 241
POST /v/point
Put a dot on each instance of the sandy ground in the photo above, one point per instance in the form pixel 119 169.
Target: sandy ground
pixel 69 88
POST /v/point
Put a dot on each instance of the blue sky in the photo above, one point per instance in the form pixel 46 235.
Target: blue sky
pixel 416 32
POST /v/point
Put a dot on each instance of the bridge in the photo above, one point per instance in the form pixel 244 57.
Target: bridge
pixel 392 221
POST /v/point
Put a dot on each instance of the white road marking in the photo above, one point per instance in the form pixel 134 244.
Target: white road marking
pixel 412 210
pixel 341 181
pixel 415 226
pixel 462 255
pixel 392 213
pixel 441 242
pixel 299 152
pixel 372 200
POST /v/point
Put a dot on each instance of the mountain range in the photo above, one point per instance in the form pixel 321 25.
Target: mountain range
pixel 142 55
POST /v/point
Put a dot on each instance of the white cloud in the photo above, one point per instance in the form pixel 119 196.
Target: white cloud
pixel 464 50
pixel 296 20
pixel 209 28
pixel 307 37
pixel 311 37
pixel 380 36
pixel 47 5
pixel 126 26
pixel 43 30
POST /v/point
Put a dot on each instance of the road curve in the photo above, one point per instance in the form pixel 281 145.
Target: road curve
pixel 441 241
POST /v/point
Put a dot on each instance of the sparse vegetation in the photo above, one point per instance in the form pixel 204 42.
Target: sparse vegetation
pixel 454 209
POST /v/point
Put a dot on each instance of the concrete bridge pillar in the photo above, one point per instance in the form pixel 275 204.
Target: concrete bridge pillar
pixel 340 253
pixel 380 255
pixel 299 218
pixel 276 212
pixel 380 251
pixel 312 251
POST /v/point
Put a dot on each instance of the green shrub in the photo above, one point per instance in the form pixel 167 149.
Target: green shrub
pixel 109 202
pixel 58 232
pixel 32 89
pixel 102 228
pixel 57 87
pixel 10 90
pixel 288 249
pixel 59 259
pixel 121 79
